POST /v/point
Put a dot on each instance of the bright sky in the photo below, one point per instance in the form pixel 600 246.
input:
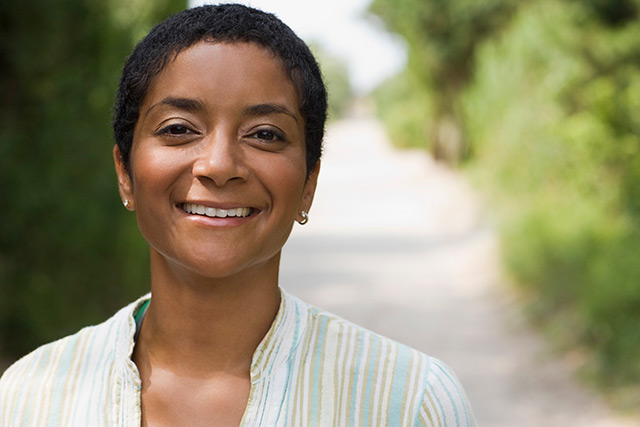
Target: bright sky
pixel 344 29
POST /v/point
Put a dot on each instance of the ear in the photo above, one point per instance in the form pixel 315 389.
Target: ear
pixel 309 190
pixel 125 184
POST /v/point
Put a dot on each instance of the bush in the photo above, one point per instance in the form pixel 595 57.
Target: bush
pixel 69 253
pixel 336 78
pixel 552 116
pixel 405 110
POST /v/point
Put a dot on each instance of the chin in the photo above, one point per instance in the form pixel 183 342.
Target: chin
pixel 219 268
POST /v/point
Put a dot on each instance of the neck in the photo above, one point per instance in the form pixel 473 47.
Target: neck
pixel 202 327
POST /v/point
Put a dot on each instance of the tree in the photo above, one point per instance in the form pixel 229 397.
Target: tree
pixel 69 256
pixel 552 114
pixel 443 36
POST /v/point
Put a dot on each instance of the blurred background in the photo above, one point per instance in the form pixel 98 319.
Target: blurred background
pixel 519 129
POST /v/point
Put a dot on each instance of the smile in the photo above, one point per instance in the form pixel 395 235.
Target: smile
pixel 192 208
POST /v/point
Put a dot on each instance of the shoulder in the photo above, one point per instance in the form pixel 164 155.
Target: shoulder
pixel 444 402
pixel 63 366
pixel 330 330
pixel 413 387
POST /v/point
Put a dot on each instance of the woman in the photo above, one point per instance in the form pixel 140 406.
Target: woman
pixel 219 122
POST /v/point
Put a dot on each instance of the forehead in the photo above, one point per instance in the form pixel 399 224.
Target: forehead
pixel 226 71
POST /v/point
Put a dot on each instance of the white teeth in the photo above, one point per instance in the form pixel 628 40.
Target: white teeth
pixel 215 213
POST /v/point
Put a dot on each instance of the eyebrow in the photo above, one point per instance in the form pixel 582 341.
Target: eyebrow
pixel 266 109
pixel 187 104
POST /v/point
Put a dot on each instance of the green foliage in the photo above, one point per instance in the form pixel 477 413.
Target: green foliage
pixel 442 37
pixel 553 120
pixel 548 95
pixel 69 254
pixel 443 34
pixel 405 111
pixel 336 77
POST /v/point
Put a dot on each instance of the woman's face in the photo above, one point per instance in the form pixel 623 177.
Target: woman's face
pixel 218 170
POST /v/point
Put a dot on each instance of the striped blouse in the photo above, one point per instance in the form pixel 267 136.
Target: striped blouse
pixel 311 369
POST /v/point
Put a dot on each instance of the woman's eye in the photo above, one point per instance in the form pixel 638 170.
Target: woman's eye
pixel 175 130
pixel 268 135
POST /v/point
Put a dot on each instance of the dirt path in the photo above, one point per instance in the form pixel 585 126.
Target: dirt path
pixel 397 243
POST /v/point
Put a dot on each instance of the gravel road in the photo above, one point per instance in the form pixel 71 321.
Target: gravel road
pixel 398 244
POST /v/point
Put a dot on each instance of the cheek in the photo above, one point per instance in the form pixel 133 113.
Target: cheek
pixel 286 181
pixel 153 177
pixel 153 170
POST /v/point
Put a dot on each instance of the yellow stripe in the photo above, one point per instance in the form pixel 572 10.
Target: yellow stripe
pixel 386 385
pixel 51 368
pixel 71 383
pixel 328 377
pixel 347 377
pixel 433 410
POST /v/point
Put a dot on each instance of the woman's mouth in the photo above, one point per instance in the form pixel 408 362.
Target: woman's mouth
pixel 194 209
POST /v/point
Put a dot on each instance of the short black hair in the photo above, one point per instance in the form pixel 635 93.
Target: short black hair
pixel 231 23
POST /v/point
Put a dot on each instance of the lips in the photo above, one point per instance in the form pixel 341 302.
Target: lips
pixel 195 209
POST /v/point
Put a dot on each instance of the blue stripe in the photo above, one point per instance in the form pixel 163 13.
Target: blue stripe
pixel 290 359
pixel 453 402
pixel 458 389
pixel 36 374
pixel 102 364
pixel 306 329
pixel 95 372
pixel 273 357
pixel 356 369
pixel 401 371
pixel 316 371
pixel 435 396
pixel 371 374
pixel 60 381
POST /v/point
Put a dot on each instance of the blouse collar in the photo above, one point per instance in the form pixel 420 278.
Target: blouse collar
pixel 274 350
pixel 283 338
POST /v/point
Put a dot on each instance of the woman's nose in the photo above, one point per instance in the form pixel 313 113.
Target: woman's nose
pixel 220 160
